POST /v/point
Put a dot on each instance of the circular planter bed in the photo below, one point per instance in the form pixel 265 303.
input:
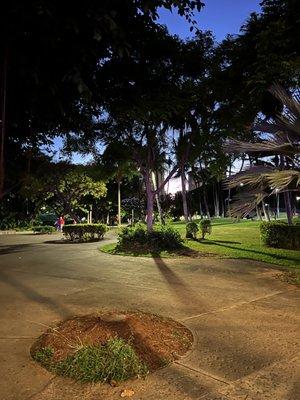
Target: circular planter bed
pixel 111 346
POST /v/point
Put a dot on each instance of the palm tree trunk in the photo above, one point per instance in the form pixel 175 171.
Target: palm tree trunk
pixel 3 124
pixel 205 202
pixel 288 207
pixel 258 213
pixel 266 212
pixel 216 200
pixel 119 202
pixel 184 199
pixel 200 204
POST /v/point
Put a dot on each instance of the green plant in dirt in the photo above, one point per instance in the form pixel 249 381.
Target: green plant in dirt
pixel 205 227
pixel 161 238
pixel 280 235
pixel 44 356
pixel 84 232
pixel 191 230
pixel 44 229
pixel 114 361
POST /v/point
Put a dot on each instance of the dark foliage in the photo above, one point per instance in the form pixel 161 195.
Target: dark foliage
pixel 84 232
pixel 280 235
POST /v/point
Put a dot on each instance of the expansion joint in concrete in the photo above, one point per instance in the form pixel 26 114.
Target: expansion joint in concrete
pixel 236 305
pixel 200 371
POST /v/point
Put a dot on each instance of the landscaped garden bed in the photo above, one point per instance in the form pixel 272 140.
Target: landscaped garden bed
pixel 112 346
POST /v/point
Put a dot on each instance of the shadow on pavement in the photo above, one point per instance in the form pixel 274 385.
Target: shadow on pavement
pixel 33 295
pixel 177 286
pixel 14 248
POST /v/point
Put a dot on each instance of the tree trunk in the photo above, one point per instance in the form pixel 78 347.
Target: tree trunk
pixel 200 204
pixel 205 202
pixel 119 202
pixel 266 212
pixel 288 207
pixel 161 220
pixel 150 197
pixel 229 193
pixel 258 213
pixel 3 124
pixel 216 201
pixel 184 199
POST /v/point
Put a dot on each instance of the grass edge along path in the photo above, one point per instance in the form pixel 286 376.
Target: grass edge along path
pixel 238 240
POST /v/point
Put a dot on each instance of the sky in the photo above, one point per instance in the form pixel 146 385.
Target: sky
pixel 222 17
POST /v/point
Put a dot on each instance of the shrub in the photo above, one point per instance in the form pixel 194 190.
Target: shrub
pixel 84 232
pixel 191 230
pixel 205 226
pixel 44 229
pixel 280 235
pixel 161 238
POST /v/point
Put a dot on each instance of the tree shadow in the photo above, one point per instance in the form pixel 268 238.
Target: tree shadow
pixel 204 241
pixel 33 295
pixel 14 248
pixel 275 256
pixel 66 241
pixel 177 286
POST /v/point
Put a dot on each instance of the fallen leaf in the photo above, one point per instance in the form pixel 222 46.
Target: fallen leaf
pixel 127 393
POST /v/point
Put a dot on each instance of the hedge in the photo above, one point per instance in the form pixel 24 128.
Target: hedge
pixel 44 229
pixel 84 232
pixel 280 235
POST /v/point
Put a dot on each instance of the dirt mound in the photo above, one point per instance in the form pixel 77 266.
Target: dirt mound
pixel 156 340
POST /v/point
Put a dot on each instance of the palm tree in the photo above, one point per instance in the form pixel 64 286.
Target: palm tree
pixel 279 137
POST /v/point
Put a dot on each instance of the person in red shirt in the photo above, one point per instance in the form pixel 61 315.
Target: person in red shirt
pixel 61 222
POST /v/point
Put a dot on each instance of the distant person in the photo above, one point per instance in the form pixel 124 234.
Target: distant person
pixel 57 224
pixel 61 223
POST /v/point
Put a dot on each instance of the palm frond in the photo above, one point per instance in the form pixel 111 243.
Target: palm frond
pixel 283 180
pixel 275 146
pixel 246 202
pixel 291 102
pixel 252 178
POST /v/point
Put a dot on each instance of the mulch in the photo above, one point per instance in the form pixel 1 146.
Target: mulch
pixel 157 340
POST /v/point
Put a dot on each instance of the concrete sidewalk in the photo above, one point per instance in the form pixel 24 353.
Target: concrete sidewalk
pixel 244 320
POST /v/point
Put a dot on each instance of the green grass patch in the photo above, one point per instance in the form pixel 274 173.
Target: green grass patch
pixel 114 361
pixel 242 240
pixel 229 239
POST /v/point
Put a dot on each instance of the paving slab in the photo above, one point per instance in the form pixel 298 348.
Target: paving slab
pixel 237 341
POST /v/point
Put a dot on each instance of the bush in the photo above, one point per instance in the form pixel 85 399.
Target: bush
pixel 205 226
pixel 161 238
pixel 84 232
pixel 43 229
pixel 280 234
pixel 191 230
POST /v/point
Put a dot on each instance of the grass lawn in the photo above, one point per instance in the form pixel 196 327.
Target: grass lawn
pixel 241 240
pixel 231 239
